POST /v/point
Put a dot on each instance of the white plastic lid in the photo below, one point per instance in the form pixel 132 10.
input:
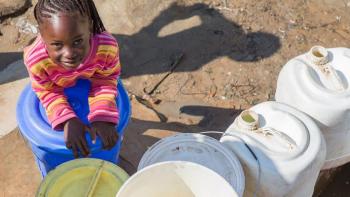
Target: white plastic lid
pixel 198 149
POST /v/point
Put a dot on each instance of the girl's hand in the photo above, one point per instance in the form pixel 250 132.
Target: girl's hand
pixel 74 136
pixel 107 133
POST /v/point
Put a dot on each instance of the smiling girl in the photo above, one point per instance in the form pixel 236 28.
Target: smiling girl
pixel 74 44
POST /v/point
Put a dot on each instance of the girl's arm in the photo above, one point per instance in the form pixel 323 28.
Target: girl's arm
pixel 60 114
pixel 57 108
pixel 104 89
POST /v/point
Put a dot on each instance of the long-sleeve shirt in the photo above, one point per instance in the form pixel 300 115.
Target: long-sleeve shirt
pixel 101 67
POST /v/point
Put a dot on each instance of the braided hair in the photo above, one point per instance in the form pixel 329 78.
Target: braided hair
pixel 47 8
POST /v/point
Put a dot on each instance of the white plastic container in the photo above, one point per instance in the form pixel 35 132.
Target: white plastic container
pixel 280 148
pixel 317 83
pixel 198 149
pixel 176 179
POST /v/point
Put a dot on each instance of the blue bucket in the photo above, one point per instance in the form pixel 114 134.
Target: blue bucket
pixel 48 145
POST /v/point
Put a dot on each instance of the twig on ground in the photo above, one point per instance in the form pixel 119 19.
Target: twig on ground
pixel 174 63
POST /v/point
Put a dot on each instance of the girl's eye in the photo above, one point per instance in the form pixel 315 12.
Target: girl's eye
pixel 77 42
pixel 57 45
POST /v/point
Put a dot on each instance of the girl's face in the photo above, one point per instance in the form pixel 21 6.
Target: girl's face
pixel 66 37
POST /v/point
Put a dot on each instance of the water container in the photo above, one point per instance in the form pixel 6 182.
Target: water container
pixel 198 149
pixel 176 179
pixel 317 83
pixel 48 145
pixel 83 177
pixel 280 148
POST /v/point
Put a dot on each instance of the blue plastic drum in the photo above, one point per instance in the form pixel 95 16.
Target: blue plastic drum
pixel 48 145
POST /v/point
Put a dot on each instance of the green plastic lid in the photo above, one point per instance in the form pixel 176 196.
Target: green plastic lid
pixel 83 177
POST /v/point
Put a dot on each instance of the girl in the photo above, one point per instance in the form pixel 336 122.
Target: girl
pixel 72 44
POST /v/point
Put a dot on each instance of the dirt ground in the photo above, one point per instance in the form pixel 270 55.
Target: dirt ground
pixel 191 65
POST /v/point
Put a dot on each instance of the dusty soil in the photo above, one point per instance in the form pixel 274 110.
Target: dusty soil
pixel 191 66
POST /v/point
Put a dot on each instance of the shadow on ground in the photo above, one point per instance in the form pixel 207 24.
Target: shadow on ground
pixel 8 58
pixel 339 187
pixel 141 134
pixel 214 118
pixel 14 71
pixel 199 32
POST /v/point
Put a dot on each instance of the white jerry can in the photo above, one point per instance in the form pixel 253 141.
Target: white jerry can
pixel 280 149
pixel 317 83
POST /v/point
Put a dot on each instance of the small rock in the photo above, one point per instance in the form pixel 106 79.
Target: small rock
pixel 338 18
pixel 292 24
pixel 25 26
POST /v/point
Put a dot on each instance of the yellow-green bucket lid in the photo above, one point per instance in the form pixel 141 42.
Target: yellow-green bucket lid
pixel 83 177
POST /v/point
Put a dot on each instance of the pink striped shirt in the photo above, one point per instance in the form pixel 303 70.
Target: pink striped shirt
pixel 101 67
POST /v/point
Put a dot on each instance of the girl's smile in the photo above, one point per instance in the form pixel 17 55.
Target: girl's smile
pixel 67 38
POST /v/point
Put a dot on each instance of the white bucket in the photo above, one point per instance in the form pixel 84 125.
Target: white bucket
pixel 317 83
pixel 176 179
pixel 198 149
pixel 282 156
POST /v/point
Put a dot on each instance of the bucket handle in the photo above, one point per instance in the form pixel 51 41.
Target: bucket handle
pixel 94 180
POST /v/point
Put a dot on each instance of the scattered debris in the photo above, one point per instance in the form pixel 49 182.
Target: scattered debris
pixel 145 100
pixel 338 18
pixel 151 99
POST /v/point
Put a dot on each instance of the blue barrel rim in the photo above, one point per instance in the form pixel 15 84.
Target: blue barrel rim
pixel 53 141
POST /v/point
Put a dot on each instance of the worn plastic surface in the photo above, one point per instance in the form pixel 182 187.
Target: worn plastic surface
pixel 321 90
pixel 283 156
pixel 83 177
pixel 47 144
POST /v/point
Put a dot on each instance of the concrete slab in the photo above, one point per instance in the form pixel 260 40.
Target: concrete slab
pixel 12 81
